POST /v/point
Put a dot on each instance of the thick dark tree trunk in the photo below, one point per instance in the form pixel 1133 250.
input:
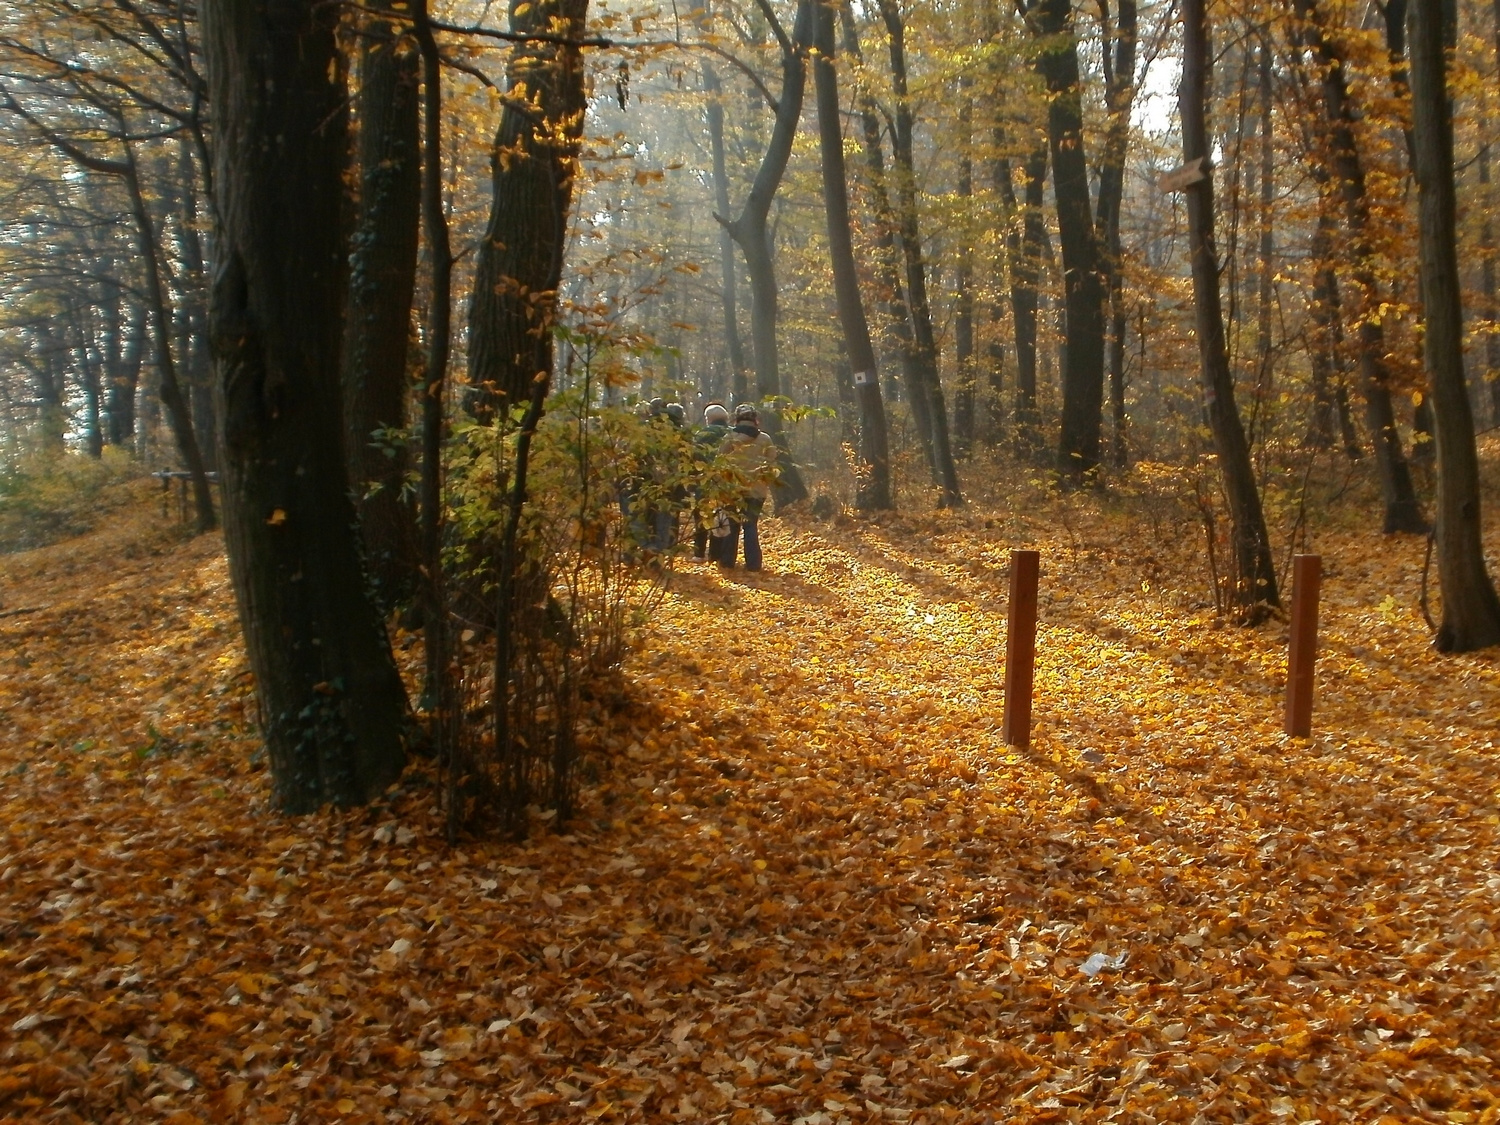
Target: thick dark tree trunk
pixel 1471 610
pixel 739 381
pixel 751 230
pixel 533 163
pixel 331 701
pixel 924 339
pixel 873 475
pixel 1119 80
pixel 1255 571
pixel 382 275
pixel 1403 512
pixel 1083 281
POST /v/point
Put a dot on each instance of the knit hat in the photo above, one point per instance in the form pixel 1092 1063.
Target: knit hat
pixel 746 412
pixel 715 415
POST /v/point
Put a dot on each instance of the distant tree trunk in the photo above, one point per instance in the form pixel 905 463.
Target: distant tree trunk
pixel 1265 291
pixel 1323 313
pixel 1083 373
pixel 125 377
pixel 194 352
pixel 1471 610
pixel 739 387
pixel 1491 306
pixel 923 337
pixel 179 413
pixel 382 276
pixel 751 230
pixel 1025 252
pixel 873 475
pixel 1119 81
pixel 963 318
pixel 331 702
pixel 1255 571
pixel 533 161
pixel 887 266
pixel 1403 512
pixel 90 366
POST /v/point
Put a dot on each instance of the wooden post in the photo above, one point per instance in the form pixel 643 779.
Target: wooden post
pixel 1020 648
pixel 1302 650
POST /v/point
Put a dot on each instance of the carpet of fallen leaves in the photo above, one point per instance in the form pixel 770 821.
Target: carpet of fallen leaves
pixel 809 884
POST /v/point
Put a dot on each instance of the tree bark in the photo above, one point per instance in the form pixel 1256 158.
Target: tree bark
pixel 1255 572
pixel 887 266
pixel 533 162
pixel 1024 247
pixel 924 339
pixel 965 381
pixel 439 339
pixel 1119 81
pixel 873 475
pixel 1083 373
pixel 1403 512
pixel 739 386
pixel 382 277
pixel 125 377
pixel 1471 609
pixel 751 231
pixel 331 702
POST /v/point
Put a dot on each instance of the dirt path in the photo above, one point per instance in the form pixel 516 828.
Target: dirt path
pixel 809 883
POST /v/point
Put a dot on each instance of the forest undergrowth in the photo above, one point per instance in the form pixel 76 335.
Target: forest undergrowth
pixel 809 883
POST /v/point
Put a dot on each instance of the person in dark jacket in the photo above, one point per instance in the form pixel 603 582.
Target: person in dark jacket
pixel 706 444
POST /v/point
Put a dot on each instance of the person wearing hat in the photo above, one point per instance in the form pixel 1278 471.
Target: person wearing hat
pixel 752 454
pixel 706 444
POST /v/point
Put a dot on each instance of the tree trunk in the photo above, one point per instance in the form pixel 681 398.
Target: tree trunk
pixel 1025 252
pixel 1403 512
pixel 533 161
pixel 1083 372
pixel 924 339
pixel 739 386
pixel 873 475
pixel 887 265
pixel 1119 80
pixel 331 702
pixel 1471 609
pixel 179 414
pixel 1490 306
pixel 439 337
pixel 125 378
pixel 963 317
pixel 1255 572
pixel 1265 291
pixel 751 230
pixel 377 320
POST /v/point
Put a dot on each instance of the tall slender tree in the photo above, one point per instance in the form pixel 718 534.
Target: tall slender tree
pixel 1254 588
pixel 1083 276
pixel 1471 609
pixel 873 476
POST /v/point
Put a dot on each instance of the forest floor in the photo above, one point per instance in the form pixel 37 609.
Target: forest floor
pixel 809 883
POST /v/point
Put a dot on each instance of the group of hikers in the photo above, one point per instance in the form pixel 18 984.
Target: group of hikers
pixel 733 466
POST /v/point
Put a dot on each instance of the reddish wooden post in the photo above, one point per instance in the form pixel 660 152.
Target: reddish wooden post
pixel 1302 651
pixel 1020 648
